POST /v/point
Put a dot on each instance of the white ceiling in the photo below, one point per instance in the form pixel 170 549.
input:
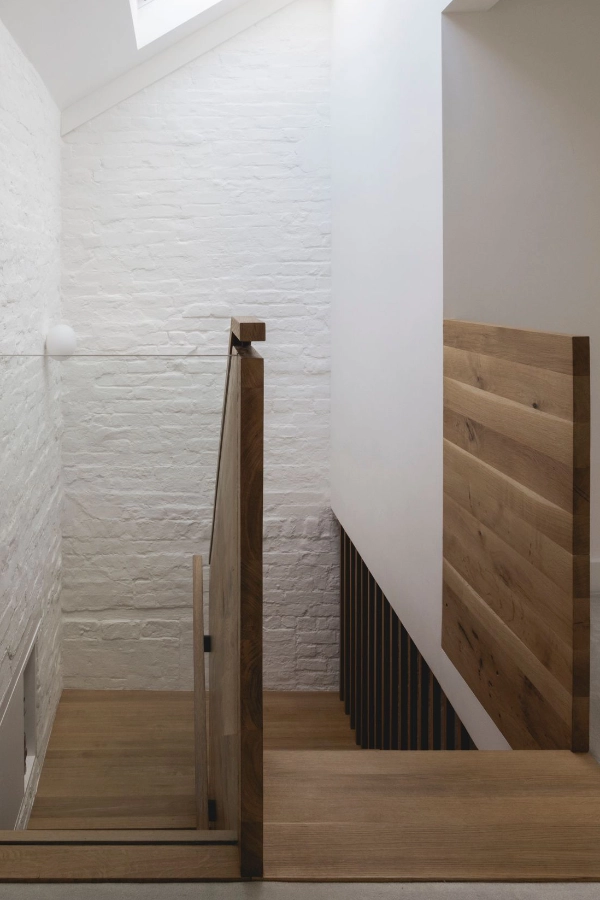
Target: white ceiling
pixel 86 50
pixel 78 46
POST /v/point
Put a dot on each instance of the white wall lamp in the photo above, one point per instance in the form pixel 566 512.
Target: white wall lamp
pixel 61 342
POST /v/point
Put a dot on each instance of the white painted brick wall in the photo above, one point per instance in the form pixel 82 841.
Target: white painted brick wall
pixel 140 454
pixel 205 195
pixel 30 533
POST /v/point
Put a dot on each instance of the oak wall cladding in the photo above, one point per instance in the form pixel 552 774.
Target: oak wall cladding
pixel 516 528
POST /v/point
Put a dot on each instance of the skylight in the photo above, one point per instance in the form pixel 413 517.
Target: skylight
pixel 154 18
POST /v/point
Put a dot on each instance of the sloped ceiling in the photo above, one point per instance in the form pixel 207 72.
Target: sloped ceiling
pixel 86 51
pixel 78 46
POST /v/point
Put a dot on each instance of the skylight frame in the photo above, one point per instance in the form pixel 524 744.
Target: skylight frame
pixel 153 19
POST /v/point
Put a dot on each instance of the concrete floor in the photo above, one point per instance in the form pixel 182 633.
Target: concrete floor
pixel 301 892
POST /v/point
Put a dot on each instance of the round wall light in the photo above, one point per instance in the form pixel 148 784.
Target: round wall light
pixel 61 342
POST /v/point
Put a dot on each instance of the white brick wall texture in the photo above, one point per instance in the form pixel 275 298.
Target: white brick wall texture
pixel 203 196
pixel 140 455
pixel 30 532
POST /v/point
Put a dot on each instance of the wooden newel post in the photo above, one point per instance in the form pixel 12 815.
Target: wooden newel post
pixel 235 602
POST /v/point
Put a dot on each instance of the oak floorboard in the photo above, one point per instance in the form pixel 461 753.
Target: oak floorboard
pixel 101 862
pixel 331 815
pixel 431 816
pixel 125 759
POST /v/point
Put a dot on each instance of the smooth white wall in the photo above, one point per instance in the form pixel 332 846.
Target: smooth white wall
pixel 205 195
pixel 522 174
pixel 30 533
pixel 522 185
pixel 387 314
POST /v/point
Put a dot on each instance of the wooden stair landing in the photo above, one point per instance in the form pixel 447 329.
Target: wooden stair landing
pixel 330 814
pixel 431 816
pixel 125 759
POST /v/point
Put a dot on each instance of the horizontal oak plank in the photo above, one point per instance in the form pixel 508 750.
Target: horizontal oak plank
pixel 521 596
pixel 529 427
pixel 121 836
pixel 544 476
pixel 540 389
pixel 544 350
pixel 518 692
pixel 518 516
pixel 432 772
pixel 79 821
pixel 163 862
pixel 351 852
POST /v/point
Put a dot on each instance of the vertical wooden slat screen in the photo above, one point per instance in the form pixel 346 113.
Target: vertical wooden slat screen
pixel 390 694
pixel 413 688
pixel 352 558
pixel 404 692
pixel 516 611
pixel 395 679
pixel 372 668
pixel 347 631
pixel 235 605
pixel 378 654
